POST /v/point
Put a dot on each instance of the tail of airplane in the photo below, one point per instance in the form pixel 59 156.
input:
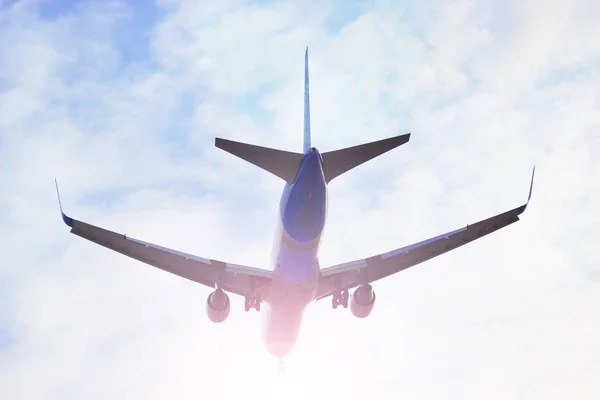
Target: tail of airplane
pixel 306 105
pixel 284 164
pixel 335 163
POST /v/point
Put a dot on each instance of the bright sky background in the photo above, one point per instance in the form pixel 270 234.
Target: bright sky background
pixel 121 102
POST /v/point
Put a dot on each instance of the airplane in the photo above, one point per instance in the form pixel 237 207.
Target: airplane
pixel 295 278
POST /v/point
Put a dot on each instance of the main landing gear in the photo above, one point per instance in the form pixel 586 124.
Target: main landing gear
pixel 340 298
pixel 252 302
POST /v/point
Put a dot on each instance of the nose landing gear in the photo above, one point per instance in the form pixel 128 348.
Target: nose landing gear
pixel 340 298
pixel 281 367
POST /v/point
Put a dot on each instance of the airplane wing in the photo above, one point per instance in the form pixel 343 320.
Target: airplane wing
pixel 233 278
pixel 348 275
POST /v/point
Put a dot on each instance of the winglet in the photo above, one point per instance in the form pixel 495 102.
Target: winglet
pixel 524 206
pixel 68 220
pixel 531 184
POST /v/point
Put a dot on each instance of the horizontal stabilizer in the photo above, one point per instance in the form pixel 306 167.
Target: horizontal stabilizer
pixel 335 163
pixel 284 164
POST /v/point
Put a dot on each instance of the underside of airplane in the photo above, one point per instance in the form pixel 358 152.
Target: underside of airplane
pixel 296 277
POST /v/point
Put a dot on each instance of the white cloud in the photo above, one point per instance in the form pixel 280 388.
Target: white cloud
pixel 486 89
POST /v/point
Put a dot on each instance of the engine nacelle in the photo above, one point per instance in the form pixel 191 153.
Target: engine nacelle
pixel 363 300
pixel 218 306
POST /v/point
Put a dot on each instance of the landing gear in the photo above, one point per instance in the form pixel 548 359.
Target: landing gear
pixel 252 302
pixel 340 298
pixel 281 367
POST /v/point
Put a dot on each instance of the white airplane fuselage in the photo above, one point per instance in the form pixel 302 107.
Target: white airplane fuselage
pixel 300 224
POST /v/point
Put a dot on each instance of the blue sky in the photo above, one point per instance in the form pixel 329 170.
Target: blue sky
pixel 121 102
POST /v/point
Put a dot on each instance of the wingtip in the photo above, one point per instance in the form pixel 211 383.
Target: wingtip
pixel 220 142
pixel 404 138
pixel 57 194
pixel 66 219
pixel 524 206
pixel 531 184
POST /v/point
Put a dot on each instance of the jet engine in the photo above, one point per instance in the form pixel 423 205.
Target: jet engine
pixel 363 300
pixel 218 306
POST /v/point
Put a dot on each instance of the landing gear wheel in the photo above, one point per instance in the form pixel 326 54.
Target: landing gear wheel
pixel 252 302
pixel 340 298
pixel 345 297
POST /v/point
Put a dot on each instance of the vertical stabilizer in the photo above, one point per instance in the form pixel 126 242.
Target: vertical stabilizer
pixel 306 105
